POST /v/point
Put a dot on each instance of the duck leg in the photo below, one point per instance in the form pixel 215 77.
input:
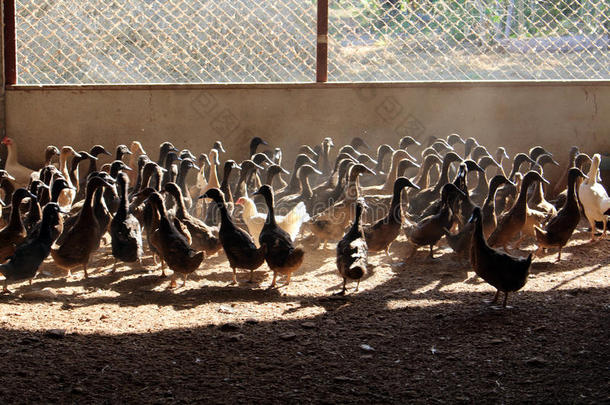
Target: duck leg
pixel 342 292
pixel 114 266
pixel 184 277
pixel 288 279
pixel 496 297
pixel 357 285
pixel 172 282
pixel 85 270
pixel 387 252
pixel 5 287
pixel 274 278
pixel 505 299
pixel 593 229
pixel 251 280
pixel 559 255
pixel 162 268
pixel 234 276
pixel 431 255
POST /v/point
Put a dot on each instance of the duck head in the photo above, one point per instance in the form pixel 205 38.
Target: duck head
pixel 545 159
pixel 366 159
pixel 440 146
pixel 406 164
pixel 186 154
pixel 307 170
pixel 267 192
pixel 307 150
pixel 469 145
pixel 121 151
pixel 407 141
pixel 58 185
pixel 402 182
pixel 537 151
pixel 51 213
pixel 478 152
pixel 450 190
pixel 98 150
pixel 454 139
pixel 358 142
pixel 50 152
pixel 215 195
pixel 476 215
pixel 261 159
pixel 117 166
pixel 218 146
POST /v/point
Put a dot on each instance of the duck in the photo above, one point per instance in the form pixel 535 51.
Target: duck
pixel 583 162
pixel 50 153
pixel 499 157
pixel 14 232
pixel 358 143
pixel 594 198
pixel 294 183
pixel 480 191
pixel 352 252
pixel 386 187
pixel 469 144
pixel 488 209
pixel 422 179
pixel 327 194
pixel 237 244
pixel 255 143
pixel 66 198
pixel 173 248
pixel 536 200
pixel 324 156
pixel 382 151
pixel 380 235
pixel 506 195
pixel 83 237
pixel 121 150
pixel 460 242
pixel 95 152
pixel 74 166
pixel 536 151
pixel 34 213
pixel 425 197
pixel 559 228
pixel 562 182
pixel 273 175
pixel 47 195
pixel 248 168
pixel 512 222
pixel 186 164
pixel 429 230
pixel 136 150
pixel 502 271
pixel 330 224
pixel 21 173
pixel 125 230
pixel 23 264
pixel 407 141
pixel 305 195
pixel 203 236
pixel 281 255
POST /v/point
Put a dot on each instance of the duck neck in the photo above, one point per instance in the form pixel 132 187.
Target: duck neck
pixel 444 177
pixel 46 231
pixel 306 187
pixel 522 198
pixel 63 166
pixel 395 214
pixel 356 229
pixel 270 212
pixel 15 218
pixel 225 219
pixel 482 183
pixel 92 166
pixel 11 156
pixel 123 203
pixel 571 200
pixel 491 195
pixel 293 184
pixel 74 172
pixel 326 159
pixel 213 175
pixel 392 173
pixel 424 175
pixel 592 173
pixel 181 179
pixel 351 191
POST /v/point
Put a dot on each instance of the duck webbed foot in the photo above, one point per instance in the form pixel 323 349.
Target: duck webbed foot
pixel 342 292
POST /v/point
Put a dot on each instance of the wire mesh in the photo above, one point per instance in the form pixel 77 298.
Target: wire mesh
pixel 174 41
pixel 394 40
pixel 245 41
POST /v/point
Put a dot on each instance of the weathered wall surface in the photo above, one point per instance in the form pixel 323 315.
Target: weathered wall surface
pixel 516 116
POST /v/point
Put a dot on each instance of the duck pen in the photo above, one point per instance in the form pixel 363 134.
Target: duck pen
pixel 373 201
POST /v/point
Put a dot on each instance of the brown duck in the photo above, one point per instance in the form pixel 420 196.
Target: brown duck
pixel 512 222
pixel 280 253
pixel 504 272
pixel 352 252
pixel 14 232
pixel 237 243
pixel 380 235
pixel 83 238
pixel 174 249
pixel 559 229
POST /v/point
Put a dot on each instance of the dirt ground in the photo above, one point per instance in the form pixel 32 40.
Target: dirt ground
pixel 415 332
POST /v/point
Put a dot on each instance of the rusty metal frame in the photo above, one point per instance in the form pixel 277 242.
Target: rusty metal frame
pixel 10 56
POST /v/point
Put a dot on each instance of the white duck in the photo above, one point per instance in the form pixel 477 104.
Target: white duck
pixel 290 222
pixel 594 197
pixel 21 173
pixel 136 151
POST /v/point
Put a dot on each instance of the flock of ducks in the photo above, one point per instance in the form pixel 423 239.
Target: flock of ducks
pixel 185 211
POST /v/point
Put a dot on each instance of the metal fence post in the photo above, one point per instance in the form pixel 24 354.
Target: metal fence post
pixel 10 62
pixel 322 43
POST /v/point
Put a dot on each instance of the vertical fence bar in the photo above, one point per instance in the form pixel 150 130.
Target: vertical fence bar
pixel 10 57
pixel 322 43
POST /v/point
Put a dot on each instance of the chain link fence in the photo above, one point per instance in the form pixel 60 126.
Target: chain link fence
pixel 246 41
pixel 394 40
pixel 174 41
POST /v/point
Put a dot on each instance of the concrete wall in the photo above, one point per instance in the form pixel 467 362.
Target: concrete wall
pixel 517 116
